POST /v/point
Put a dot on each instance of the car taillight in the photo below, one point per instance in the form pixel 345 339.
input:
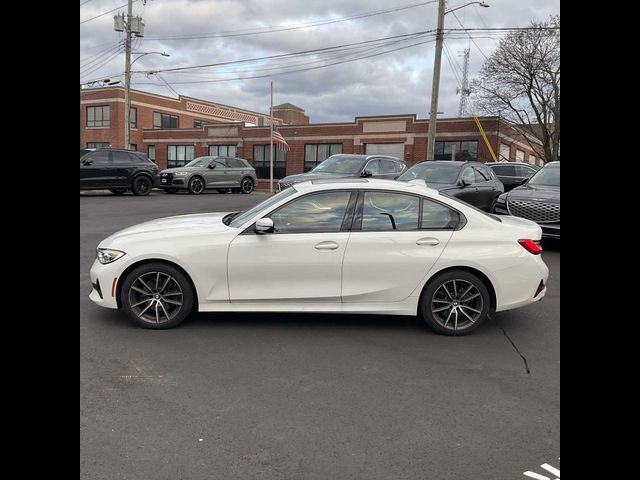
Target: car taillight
pixel 531 246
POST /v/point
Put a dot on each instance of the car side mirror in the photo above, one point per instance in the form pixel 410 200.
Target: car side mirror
pixel 464 183
pixel 366 173
pixel 212 166
pixel 87 162
pixel 264 225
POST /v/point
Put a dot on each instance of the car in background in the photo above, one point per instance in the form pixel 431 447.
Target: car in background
pixel 537 200
pixel 117 170
pixel 349 166
pixel 512 174
pixel 220 173
pixel 471 182
pixel 359 245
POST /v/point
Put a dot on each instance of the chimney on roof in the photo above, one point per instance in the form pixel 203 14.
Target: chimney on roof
pixel 290 114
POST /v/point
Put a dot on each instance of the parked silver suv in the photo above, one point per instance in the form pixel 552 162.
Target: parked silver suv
pixel 220 173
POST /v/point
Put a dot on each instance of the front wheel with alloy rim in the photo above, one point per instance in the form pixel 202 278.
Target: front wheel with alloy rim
pixel 196 186
pixel 157 296
pixel 246 186
pixel 141 185
pixel 455 303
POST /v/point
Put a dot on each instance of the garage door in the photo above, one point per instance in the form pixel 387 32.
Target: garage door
pixel 393 149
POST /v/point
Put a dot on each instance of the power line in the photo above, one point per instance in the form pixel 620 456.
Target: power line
pixel 85 2
pixel 282 28
pixel 105 13
pixel 474 42
pixel 98 66
pixel 94 58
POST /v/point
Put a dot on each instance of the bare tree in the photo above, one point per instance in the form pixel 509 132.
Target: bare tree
pixel 521 82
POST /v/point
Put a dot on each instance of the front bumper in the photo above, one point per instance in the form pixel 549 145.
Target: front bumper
pixel 104 280
pixel 549 230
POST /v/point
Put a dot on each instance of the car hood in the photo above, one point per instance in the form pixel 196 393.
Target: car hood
pixel 535 193
pixel 305 177
pixel 168 227
pixel 181 169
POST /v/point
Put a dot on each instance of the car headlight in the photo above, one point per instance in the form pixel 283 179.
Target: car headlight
pixel 181 174
pixel 108 255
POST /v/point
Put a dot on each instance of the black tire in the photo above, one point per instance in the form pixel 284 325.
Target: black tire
pixel 171 190
pixel 118 191
pixel 196 186
pixel 158 314
pixel 141 185
pixel 247 185
pixel 442 298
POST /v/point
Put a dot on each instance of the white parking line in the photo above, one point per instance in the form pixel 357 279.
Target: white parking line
pixel 548 468
pixel 537 476
pixel 551 469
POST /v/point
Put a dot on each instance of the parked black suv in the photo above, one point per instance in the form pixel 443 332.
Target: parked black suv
pixel 471 182
pixel 512 174
pixel 118 171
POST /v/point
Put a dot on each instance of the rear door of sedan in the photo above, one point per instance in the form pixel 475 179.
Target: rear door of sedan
pixel 301 260
pixel 395 240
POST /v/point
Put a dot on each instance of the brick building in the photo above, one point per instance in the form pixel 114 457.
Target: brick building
pixel 174 131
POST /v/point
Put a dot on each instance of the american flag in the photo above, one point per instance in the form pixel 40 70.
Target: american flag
pixel 279 139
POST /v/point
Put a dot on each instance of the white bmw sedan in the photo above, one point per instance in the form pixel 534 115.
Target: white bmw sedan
pixel 339 246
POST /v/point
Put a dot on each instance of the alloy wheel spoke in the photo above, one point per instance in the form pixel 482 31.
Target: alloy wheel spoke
pixel 448 317
pixel 465 300
pixel 141 291
pixel 171 294
pixel 440 301
pixel 466 291
pixel 172 302
pixel 141 302
pixel 165 311
pixel 145 284
pixel 467 315
pixel 165 284
pixel 440 309
pixel 447 290
pixel 145 309
pixel 157 280
pixel 470 308
pixel 455 290
pixel 455 325
pixel 157 312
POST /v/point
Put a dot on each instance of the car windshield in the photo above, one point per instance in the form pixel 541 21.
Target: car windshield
pixel 237 219
pixel 432 172
pixel 339 164
pixel 199 162
pixel 548 176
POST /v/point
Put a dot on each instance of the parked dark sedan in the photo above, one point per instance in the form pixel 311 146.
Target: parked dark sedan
pixel 471 182
pixel 512 174
pixel 349 166
pixel 118 171
pixel 538 200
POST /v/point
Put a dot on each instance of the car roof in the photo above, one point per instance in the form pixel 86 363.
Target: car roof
pixel 494 164
pixel 364 157
pixel 449 162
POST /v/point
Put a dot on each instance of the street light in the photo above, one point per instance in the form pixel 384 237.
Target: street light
pixel 435 88
pixel 127 95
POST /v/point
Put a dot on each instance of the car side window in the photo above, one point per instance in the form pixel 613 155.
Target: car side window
pixel 100 157
pixel 234 163
pixel 373 166
pixel 122 157
pixel 469 175
pixel 219 163
pixel 480 176
pixel 383 211
pixel 505 170
pixel 522 171
pixel 438 217
pixel 315 213
pixel 388 166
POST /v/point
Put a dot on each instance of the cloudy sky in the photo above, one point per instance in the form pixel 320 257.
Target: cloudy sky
pixel 394 79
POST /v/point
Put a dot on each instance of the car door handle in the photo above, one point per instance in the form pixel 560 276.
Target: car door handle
pixel 427 241
pixel 326 246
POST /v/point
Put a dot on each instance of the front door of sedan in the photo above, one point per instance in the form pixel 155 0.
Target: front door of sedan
pixel 392 247
pixel 214 174
pixel 301 260
pixel 94 169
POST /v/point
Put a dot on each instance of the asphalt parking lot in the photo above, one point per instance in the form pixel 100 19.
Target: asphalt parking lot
pixel 290 396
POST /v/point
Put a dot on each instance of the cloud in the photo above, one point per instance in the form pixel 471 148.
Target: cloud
pixel 397 82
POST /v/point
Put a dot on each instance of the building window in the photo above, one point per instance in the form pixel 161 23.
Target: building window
pixel 179 155
pixel 164 120
pixel 519 156
pixel 261 161
pixel 133 117
pixel 98 116
pixel 314 153
pixel 98 145
pixel 532 159
pixel 505 152
pixel 134 147
pixel 151 152
pixel 222 150
pixel 461 151
pixel 198 123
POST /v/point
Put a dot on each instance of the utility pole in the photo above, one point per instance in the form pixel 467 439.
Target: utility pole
pixel 435 88
pixel 464 91
pixel 127 77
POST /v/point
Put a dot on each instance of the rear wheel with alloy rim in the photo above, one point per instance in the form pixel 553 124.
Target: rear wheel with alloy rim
pixel 196 186
pixel 246 186
pixel 157 296
pixel 455 303
pixel 141 185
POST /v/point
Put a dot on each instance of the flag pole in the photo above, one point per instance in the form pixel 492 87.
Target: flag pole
pixel 271 143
